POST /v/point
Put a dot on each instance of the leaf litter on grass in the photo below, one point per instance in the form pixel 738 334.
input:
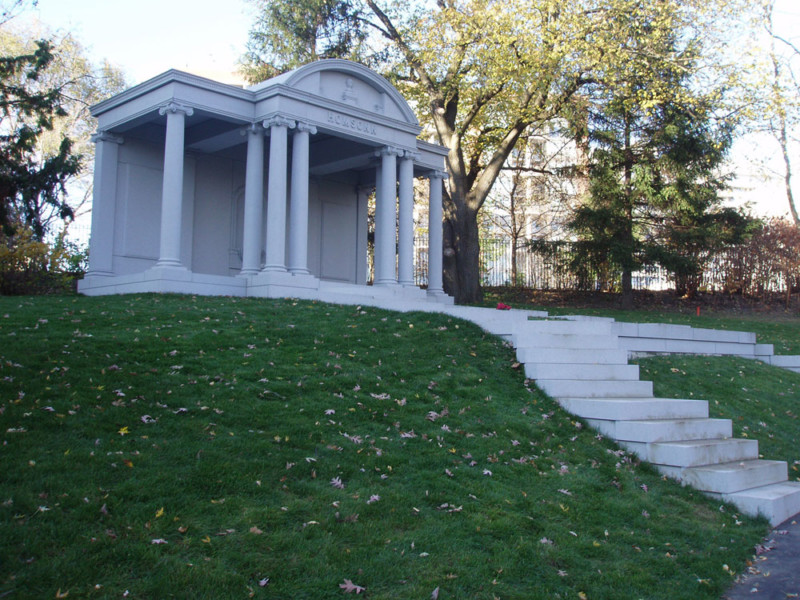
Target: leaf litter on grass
pixel 405 509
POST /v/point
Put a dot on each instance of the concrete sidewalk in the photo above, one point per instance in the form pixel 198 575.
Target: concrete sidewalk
pixel 775 572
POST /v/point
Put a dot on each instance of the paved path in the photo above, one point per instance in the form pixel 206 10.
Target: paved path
pixel 775 573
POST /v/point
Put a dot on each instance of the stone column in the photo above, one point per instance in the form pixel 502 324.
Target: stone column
pixel 169 253
pixel 276 193
pixel 253 201
pixel 405 259
pixel 104 203
pixel 385 218
pixel 435 286
pixel 298 209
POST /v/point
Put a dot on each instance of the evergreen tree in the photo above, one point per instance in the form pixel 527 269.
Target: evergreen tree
pixel 28 181
pixel 655 174
pixel 291 33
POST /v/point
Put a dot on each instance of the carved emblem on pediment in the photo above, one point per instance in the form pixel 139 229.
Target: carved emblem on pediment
pixel 350 95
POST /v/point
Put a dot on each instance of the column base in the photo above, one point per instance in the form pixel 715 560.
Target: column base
pixel 440 297
pixel 169 263
pixel 175 272
pixel 248 273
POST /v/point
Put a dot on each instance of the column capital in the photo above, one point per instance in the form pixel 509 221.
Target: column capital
pixel 411 155
pixel 105 136
pixel 389 151
pixel 306 127
pixel 438 175
pixel 279 121
pixel 254 128
pixel 176 107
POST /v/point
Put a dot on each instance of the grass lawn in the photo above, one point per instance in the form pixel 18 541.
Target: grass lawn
pixel 173 446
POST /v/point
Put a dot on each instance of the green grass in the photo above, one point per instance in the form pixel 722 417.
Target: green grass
pixel 486 488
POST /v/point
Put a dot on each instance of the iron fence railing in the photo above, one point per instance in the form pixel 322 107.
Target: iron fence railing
pixel 548 268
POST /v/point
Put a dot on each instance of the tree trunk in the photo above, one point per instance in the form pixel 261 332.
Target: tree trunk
pixel 787 177
pixel 627 289
pixel 462 278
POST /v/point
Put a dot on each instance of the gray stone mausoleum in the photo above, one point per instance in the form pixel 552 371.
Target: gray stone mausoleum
pixel 207 188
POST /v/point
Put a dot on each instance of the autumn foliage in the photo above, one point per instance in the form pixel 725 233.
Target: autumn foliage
pixel 768 262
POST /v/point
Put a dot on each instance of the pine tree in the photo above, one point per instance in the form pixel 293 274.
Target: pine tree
pixel 655 175
pixel 28 181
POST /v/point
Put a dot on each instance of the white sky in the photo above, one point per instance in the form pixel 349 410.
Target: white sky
pixel 208 37
pixel 147 37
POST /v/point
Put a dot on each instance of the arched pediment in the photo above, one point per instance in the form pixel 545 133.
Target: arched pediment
pixel 351 83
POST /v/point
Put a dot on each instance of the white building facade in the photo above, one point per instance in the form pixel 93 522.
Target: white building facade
pixel 206 188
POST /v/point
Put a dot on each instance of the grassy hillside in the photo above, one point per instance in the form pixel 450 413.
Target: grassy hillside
pixel 173 446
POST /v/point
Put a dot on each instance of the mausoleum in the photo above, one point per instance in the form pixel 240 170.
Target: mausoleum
pixel 207 188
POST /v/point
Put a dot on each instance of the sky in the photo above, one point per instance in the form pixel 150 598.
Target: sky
pixel 147 37
pixel 207 37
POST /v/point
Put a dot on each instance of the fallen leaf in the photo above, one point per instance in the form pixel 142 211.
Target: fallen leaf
pixel 349 587
pixel 255 530
pixel 158 541
pixel 435 594
pixel 160 513
pixel 60 594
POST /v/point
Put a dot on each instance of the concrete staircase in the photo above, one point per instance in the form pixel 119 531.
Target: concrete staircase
pixel 579 362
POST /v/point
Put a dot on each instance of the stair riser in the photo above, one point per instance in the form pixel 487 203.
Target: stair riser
pixel 712 453
pixel 790 361
pixel 553 340
pixel 571 356
pixel 566 388
pixel 664 430
pixel 726 479
pixel 583 372
pixel 567 327
pixel 776 502
pixel 635 408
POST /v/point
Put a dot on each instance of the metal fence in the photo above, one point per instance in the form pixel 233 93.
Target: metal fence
pixel 538 270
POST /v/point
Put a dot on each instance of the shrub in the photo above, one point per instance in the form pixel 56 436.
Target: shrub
pixel 30 266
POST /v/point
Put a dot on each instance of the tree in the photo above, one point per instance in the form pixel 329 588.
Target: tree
pixel 290 33
pixel 534 194
pixel 46 89
pixel 481 73
pixel 784 99
pixel 27 183
pixel 655 172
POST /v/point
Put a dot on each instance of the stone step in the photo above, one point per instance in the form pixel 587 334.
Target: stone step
pixel 764 350
pixel 785 360
pixel 664 430
pixel 560 326
pixel 578 371
pixel 681 346
pixel 667 331
pixel 616 409
pixel 533 354
pixel 694 453
pixel 577 388
pixel 522 338
pixel 726 478
pixel 776 502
